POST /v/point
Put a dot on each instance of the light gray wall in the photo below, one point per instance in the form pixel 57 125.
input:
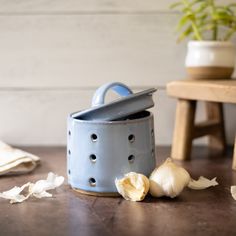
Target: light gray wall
pixel 54 54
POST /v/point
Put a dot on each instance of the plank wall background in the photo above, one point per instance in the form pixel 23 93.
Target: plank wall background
pixel 55 53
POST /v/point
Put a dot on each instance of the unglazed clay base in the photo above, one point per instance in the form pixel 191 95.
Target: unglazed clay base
pixel 96 193
pixel 211 72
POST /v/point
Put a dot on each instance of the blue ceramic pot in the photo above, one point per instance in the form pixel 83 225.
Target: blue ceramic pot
pixel 98 152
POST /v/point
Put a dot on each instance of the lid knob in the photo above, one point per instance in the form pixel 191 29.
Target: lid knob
pixel 119 88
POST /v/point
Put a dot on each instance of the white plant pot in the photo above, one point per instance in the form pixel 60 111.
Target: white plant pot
pixel 210 60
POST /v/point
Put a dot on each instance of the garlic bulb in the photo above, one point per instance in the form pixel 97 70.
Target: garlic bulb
pixel 233 191
pixel 168 179
pixel 133 186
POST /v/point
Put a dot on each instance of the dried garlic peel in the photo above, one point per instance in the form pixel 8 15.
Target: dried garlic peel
pixel 41 186
pixel 38 189
pixel 233 192
pixel 14 194
pixel 168 180
pixel 133 186
pixel 202 183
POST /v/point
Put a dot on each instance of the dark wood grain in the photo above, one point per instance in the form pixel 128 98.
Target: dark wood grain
pixel 207 212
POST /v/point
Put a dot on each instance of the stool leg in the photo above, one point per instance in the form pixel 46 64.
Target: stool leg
pixel 184 128
pixel 234 156
pixel 215 113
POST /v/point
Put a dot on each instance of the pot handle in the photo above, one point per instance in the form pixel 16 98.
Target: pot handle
pixel 100 93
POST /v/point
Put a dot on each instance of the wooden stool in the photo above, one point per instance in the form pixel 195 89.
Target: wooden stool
pixel 188 92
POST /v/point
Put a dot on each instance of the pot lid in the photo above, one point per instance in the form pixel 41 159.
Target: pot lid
pixel 129 103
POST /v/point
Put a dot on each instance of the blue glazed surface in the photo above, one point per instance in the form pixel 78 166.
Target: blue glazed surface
pixel 128 104
pixel 119 88
pixel 120 147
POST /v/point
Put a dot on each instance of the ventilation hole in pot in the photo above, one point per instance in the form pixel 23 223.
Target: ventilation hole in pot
pixel 131 138
pixel 94 137
pixel 93 158
pixel 131 158
pixel 69 151
pixel 153 154
pixel 92 182
pixel 69 172
pixel 152 133
pixel 69 133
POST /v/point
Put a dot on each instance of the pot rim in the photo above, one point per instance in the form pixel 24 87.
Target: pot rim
pixel 147 117
pixel 208 43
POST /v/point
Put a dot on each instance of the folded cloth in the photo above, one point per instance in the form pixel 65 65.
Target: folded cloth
pixel 16 161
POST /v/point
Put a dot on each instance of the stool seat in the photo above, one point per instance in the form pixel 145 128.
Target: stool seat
pixel 204 90
pixel 188 92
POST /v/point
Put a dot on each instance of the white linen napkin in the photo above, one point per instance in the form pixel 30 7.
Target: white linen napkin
pixel 16 161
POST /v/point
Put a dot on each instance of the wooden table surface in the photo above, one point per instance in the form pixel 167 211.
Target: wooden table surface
pixel 207 212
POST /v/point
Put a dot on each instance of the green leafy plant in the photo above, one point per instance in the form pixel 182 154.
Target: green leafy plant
pixel 205 20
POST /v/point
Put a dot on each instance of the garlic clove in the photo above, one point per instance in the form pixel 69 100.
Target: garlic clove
pixel 133 186
pixel 168 180
pixel 233 192
pixel 202 183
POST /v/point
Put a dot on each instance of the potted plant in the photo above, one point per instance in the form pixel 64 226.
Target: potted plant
pixel 210 27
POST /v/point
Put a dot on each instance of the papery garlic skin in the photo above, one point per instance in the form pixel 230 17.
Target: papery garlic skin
pixel 168 180
pixel 202 183
pixel 38 189
pixel 14 194
pixel 133 186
